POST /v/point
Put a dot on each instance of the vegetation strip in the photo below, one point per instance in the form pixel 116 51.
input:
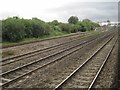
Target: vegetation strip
pixel 5 45
pixel 15 29
pixel 31 52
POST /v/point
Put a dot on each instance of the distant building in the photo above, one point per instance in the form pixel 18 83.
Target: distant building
pixel 114 23
pixel 105 23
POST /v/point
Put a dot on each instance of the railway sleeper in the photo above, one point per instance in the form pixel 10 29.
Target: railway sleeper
pixel 90 71
pixel 4 80
pixel 35 66
pixel 85 78
pixel 85 83
pixel 86 74
pixel 81 83
pixel 82 80
pixel 10 76
pixel 30 69
pixel 26 70
pixel 1 83
pixel 19 73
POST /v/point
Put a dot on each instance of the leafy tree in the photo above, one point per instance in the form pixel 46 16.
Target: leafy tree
pixel 83 29
pixel 89 25
pixel 55 22
pixel 13 30
pixel 47 29
pixel 28 27
pixel 86 20
pixel 66 27
pixel 35 18
pixel 73 19
pixel 39 28
pixel 70 28
pixel 16 17
pixel 75 28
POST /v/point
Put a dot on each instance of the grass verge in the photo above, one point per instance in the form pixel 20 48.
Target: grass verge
pixel 53 35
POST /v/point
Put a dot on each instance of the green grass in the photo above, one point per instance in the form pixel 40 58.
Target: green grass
pixel 54 34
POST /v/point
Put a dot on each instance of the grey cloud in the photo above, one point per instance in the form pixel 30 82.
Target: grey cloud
pixel 92 10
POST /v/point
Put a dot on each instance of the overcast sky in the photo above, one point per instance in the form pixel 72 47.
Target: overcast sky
pixel 61 10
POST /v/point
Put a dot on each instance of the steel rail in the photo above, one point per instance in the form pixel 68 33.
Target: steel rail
pixel 86 61
pixel 102 66
pixel 28 64
pixel 17 56
pixel 33 53
pixel 45 39
pixel 14 79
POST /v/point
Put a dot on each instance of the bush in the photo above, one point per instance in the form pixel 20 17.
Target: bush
pixel 13 30
pixel 39 28
pixel 28 28
pixel 89 25
pixel 83 29
pixel 47 29
pixel 73 19
pixel 16 29
pixel 75 28
pixel 66 28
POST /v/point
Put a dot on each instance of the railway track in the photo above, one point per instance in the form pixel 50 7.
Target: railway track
pixel 32 53
pixel 13 59
pixel 87 73
pixel 15 62
pixel 8 77
pixel 44 40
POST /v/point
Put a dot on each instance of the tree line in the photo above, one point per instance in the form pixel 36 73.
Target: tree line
pixel 16 29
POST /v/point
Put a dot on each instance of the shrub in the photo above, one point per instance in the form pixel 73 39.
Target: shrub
pixel 73 19
pixel 66 28
pixel 13 30
pixel 28 28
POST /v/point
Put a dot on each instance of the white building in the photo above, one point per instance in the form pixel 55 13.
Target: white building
pixel 103 23
pixel 108 23
pixel 114 23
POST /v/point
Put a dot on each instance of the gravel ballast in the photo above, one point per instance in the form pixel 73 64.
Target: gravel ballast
pixel 46 77
pixel 21 49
